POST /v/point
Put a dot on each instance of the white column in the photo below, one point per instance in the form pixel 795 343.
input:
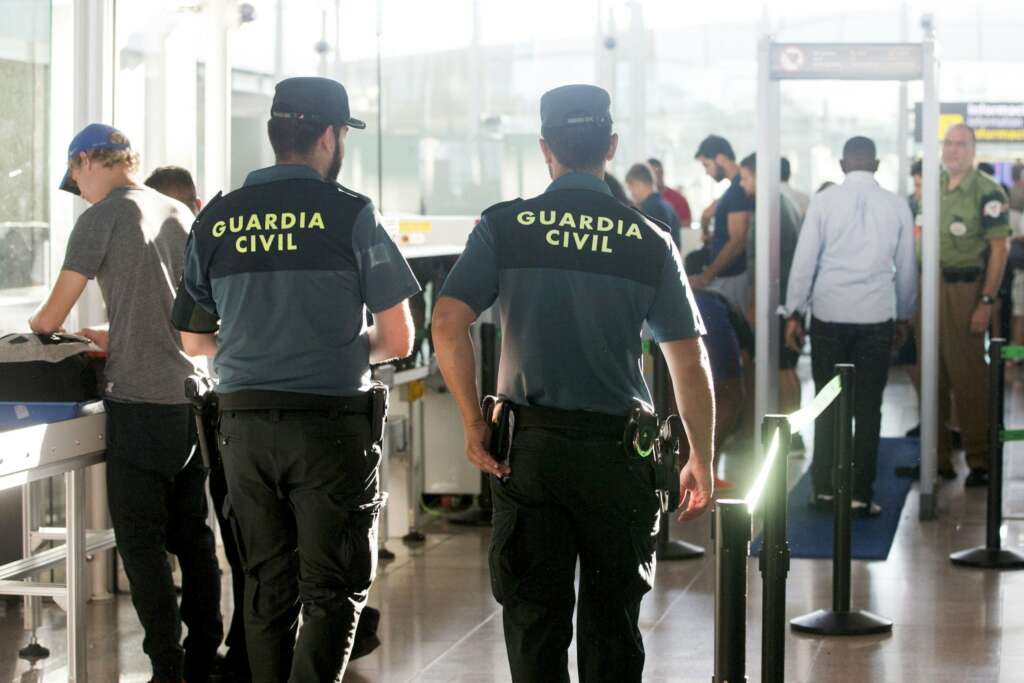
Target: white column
pixel 930 280
pixel 220 16
pixel 639 50
pixel 766 238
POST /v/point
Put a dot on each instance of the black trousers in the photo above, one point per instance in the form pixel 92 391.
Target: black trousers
pixel 868 347
pixel 237 656
pixel 156 490
pixel 573 498
pixel 304 495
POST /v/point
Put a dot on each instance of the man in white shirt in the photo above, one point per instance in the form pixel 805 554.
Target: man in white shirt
pixel 855 266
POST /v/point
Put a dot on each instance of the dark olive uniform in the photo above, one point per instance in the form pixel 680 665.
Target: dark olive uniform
pixel 289 264
pixel 575 276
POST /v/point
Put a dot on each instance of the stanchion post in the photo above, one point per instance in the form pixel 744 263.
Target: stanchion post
pixel 774 563
pixel 842 481
pixel 992 555
pixel 841 620
pixel 732 542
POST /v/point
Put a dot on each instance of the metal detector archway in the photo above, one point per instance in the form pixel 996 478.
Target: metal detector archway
pixel 903 62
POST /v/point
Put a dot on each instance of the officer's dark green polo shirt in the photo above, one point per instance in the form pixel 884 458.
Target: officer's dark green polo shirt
pixel 970 215
pixel 575 275
pixel 290 264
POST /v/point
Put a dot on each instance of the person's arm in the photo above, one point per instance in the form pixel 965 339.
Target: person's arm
pixel 906 266
pixel 391 335
pixel 997 254
pixel 50 316
pixel 802 273
pixel 739 223
pixel 470 289
pixel 454 346
pixel 688 365
pixel 199 344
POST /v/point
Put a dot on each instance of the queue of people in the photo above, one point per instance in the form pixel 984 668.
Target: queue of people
pixel 294 312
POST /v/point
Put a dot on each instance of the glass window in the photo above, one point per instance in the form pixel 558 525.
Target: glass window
pixel 24 178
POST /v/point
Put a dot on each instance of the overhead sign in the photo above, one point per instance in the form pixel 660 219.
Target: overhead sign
pixel 991 121
pixel 847 61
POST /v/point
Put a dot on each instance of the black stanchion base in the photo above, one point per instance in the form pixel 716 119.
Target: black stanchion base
pixel 478 517
pixel 825 622
pixel 983 558
pixel 413 537
pixel 670 551
pixel 33 652
pixel 385 555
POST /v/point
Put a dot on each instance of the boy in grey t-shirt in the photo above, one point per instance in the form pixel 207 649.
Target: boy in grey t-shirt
pixel 132 240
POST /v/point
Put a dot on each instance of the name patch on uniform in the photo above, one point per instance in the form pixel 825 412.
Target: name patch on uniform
pixel 281 224
pixel 994 208
pixel 578 231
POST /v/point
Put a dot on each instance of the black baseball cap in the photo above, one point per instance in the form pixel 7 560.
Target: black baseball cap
pixel 576 105
pixel 310 98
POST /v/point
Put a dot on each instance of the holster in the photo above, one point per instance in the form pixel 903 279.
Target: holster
pixel 378 411
pixel 501 418
pixel 667 468
pixel 199 390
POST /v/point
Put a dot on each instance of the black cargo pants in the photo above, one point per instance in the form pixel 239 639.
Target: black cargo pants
pixel 573 497
pixel 156 491
pixel 304 493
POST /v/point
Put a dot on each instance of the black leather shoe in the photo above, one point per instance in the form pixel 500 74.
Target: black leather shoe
pixel 822 502
pixel 947 473
pixel 366 633
pixel 977 478
pixel 914 433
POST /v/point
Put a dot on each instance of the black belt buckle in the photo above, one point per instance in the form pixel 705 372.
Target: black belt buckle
pixel 641 435
pixel 501 419
pixel 378 411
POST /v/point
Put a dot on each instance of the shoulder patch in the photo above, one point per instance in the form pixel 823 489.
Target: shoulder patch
pixel 501 205
pixel 994 208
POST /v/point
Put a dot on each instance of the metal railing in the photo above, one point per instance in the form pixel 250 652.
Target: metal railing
pixel 993 555
pixel 733 520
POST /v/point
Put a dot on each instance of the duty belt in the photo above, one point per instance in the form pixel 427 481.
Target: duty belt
pixel 955 275
pixel 283 401
pixel 599 424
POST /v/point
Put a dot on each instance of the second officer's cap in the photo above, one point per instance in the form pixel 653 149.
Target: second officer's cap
pixel 309 98
pixel 575 105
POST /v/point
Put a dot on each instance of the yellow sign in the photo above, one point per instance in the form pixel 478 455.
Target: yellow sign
pixel 409 227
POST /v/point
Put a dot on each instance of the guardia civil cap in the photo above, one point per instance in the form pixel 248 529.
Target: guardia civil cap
pixel 310 98
pixel 575 105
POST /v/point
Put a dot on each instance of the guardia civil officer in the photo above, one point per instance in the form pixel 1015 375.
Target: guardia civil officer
pixel 575 275
pixel 289 264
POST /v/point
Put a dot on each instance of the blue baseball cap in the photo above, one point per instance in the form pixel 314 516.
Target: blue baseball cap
pixel 93 136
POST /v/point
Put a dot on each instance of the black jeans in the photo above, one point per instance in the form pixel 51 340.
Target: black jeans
pixel 156 489
pixel 868 347
pixel 304 494
pixel 572 497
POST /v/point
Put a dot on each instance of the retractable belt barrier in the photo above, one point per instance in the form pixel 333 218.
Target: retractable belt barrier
pixel 992 555
pixel 733 521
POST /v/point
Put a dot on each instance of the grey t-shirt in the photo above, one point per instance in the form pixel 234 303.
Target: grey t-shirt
pixel 133 243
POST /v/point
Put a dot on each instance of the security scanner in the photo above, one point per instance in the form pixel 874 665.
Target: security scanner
pixel 53 445
pixel 423 450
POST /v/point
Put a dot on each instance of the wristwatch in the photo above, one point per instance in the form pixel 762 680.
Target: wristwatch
pixel 987 300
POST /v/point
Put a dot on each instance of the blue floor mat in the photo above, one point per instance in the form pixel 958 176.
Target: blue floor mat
pixel 810 531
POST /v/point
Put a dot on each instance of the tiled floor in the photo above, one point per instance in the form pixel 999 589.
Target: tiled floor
pixel 441 624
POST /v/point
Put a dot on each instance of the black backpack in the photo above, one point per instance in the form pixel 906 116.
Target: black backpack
pixel 53 368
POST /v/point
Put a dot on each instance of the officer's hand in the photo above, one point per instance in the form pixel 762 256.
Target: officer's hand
pixel 477 437
pixel 981 319
pixel 696 488
pixel 794 335
pixel 699 281
pixel 100 338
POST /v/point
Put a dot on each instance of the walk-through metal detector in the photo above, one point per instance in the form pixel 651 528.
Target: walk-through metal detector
pixel 847 62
